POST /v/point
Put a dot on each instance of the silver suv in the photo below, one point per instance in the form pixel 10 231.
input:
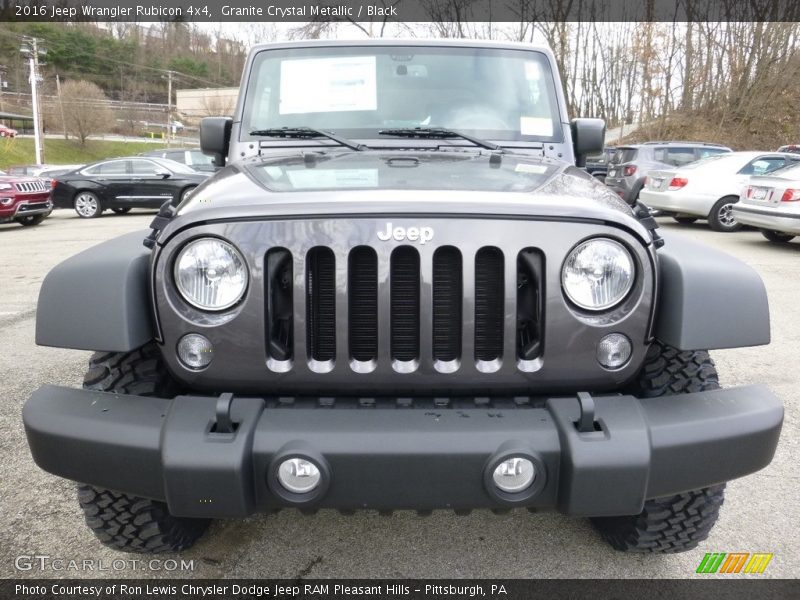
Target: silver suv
pixel 629 165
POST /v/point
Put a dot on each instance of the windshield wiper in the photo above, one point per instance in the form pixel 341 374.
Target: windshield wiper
pixel 441 133
pixel 308 132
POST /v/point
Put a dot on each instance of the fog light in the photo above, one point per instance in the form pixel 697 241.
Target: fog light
pixel 299 475
pixel 195 351
pixel 613 351
pixel 514 475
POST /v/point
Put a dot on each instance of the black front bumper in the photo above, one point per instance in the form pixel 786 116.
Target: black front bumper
pixel 402 455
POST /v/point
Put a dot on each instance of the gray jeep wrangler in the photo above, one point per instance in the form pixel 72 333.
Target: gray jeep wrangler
pixel 401 292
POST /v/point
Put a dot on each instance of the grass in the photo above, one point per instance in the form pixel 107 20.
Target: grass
pixel 20 151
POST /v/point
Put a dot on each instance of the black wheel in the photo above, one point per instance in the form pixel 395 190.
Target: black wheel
pixel 31 220
pixel 121 211
pixel 721 216
pixel 88 205
pixel 685 220
pixel 777 237
pixel 186 192
pixel 118 520
pixel 679 522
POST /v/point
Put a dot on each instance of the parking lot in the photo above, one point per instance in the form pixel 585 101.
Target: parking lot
pixel 39 514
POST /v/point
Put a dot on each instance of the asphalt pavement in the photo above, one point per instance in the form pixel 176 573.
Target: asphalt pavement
pixel 39 515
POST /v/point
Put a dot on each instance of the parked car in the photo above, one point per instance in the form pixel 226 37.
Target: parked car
pixel 629 165
pixel 193 158
pixel 402 315
pixel 772 204
pixel 7 132
pixel 121 184
pixel 25 200
pixel 38 170
pixel 793 148
pixel 597 164
pixel 709 188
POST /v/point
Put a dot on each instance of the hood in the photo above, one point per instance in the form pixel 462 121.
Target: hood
pixel 299 185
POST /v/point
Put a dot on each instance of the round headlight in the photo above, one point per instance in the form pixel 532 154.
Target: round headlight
pixel 598 274
pixel 210 274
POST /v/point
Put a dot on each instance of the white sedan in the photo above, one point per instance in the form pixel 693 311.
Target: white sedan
pixel 708 188
pixel 772 203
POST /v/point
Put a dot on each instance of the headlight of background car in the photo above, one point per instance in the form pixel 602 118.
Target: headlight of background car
pixel 598 274
pixel 210 274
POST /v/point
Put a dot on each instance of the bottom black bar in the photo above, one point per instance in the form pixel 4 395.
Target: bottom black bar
pixel 406 589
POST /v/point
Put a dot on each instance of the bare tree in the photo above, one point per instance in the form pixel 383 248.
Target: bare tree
pixel 86 111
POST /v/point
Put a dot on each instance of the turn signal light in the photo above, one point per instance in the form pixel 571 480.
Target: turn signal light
pixel 53 183
pixel 677 183
pixel 790 195
pixel 629 170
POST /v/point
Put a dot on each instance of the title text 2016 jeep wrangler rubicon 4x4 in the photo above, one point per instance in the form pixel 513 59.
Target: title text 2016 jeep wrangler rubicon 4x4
pixel 401 293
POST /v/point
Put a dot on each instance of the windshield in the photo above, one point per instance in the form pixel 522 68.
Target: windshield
pixel 357 91
pixel 790 171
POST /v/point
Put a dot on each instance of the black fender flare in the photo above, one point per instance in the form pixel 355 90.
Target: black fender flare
pixel 98 299
pixel 708 299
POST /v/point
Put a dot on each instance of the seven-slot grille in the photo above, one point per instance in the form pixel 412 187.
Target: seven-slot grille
pixel 31 186
pixel 455 335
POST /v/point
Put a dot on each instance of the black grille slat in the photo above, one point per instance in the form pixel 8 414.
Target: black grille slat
pixel 530 292
pixel 489 304
pixel 363 303
pixel 447 298
pixel 280 296
pixel 321 304
pixel 405 303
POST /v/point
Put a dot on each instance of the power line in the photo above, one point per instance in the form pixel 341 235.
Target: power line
pixel 129 64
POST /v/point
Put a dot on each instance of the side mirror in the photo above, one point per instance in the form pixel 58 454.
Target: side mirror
pixel 588 137
pixel 163 173
pixel 215 138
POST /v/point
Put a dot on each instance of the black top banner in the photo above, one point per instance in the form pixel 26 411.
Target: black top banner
pixel 399 10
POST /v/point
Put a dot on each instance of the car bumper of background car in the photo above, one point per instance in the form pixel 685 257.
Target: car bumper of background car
pixel 402 454
pixel 767 218
pixel 25 209
pixel 679 201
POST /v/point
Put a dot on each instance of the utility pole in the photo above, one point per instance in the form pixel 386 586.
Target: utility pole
pixel 61 106
pixel 169 106
pixel 3 83
pixel 30 49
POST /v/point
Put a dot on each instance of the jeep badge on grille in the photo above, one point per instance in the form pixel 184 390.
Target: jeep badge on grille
pixel 412 234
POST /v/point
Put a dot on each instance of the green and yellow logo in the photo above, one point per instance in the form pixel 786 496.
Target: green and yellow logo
pixel 734 562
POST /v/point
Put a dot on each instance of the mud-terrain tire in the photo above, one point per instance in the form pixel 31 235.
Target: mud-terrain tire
pixel 118 520
pixel 679 522
pixel 139 525
pixel 666 525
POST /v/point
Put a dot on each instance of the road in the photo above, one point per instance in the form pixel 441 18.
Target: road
pixel 39 513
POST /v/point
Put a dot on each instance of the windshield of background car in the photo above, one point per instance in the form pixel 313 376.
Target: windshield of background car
pixel 357 91
pixel 175 166
pixel 790 171
pixel 623 155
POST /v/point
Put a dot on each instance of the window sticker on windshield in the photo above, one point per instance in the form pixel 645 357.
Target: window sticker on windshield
pixel 532 71
pixel 333 178
pixel 536 126
pixel 328 85
pixel 526 168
